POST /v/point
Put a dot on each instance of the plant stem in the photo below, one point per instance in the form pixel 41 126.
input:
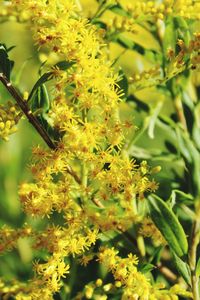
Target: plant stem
pixel 26 110
pixel 193 259
pixel 167 273
pixel 180 112
pixel 73 174
pixel 33 120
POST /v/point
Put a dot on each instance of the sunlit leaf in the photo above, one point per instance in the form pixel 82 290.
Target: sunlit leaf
pixel 182 267
pixel 169 225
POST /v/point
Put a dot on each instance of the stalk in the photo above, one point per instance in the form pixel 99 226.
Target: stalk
pixel 193 259
pixel 33 120
pixel 26 110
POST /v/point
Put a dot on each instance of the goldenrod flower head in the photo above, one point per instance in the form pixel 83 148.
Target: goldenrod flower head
pixel 149 229
pixel 9 117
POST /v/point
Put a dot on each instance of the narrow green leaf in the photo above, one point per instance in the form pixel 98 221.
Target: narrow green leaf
pixel 62 65
pixel 20 72
pixel 44 78
pixel 182 268
pixel 156 255
pixel 169 225
pixel 191 156
pixel 145 267
pixel 182 146
pixel 40 101
pixel 184 195
pixel 198 267
pixel 169 41
pixel 196 127
pixel 6 65
pixel 181 23
pixel 125 42
pixel 182 199
pixel 123 83
pixel 10 48
pixel 153 119
pixel 118 9
pixel 99 23
pixel 183 29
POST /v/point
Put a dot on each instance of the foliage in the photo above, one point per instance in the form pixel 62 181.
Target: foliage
pixel 111 203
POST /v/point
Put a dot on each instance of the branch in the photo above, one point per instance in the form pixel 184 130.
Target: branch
pixel 26 110
pixel 33 120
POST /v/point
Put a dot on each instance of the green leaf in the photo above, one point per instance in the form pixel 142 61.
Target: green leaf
pixel 168 224
pixel 183 29
pixel 62 65
pixel 40 101
pixel 184 197
pixel 169 41
pixel 191 156
pixel 182 268
pixel 153 118
pixel 6 64
pixel 123 83
pixel 99 23
pixel 19 73
pixel 44 78
pixel 156 255
pixel 198 267
pixel 182 145
pixel 10 48
pixel 125 42
pixel 118 9
pixel 145 267
pixel 196 128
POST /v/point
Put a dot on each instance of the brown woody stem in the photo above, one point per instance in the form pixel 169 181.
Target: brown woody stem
pixel 33 120
pixel 26 110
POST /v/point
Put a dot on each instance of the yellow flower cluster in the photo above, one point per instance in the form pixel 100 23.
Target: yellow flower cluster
pixel 86 111
pixel 194 48
pixel 135 284
pixel 144 10
pixel 9 117
pixel 147 78
pixel 35 289
pixel 121 24
pixel 125 271
pixel 10 236
pixel 51 272
pixel 73 239
pixel 149 229
pixel 188 9
pixel 187 57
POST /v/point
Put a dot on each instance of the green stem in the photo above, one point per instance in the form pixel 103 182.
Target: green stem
pixel 135 138
pixel 99 12
pixel 84 172
pixel 72 279
pixel 180 112
pixel 193 259
pixel 141 245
